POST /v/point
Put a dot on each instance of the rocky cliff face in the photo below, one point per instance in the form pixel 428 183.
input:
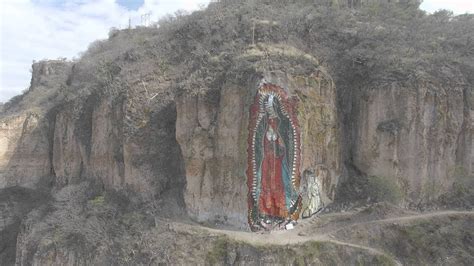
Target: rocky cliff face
pixel 84 138
pixel 152 124
pixel 415 135
pixel 24 155
pixel 143 134
pixel 212 130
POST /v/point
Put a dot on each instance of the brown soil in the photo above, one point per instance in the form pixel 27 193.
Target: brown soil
pixel 342 228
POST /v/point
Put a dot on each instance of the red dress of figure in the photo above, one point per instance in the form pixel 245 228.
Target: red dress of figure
pixel 272 194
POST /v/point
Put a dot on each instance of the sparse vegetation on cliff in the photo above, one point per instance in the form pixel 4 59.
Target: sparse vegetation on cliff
pixel 384 189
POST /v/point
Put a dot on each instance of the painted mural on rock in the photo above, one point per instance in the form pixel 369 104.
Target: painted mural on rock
pixel 274 157
pixel 310 194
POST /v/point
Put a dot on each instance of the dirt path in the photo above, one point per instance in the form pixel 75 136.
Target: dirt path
pixel 321 228
pixel 420 216
pixel 283 237
pixel 329 231
pixel 304 232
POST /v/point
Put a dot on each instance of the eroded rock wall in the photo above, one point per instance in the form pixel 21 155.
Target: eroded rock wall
pixel 415 135
pixel 25 131
pixel 88 136
pixel 24 150
pixel 90 142
pixel 212 130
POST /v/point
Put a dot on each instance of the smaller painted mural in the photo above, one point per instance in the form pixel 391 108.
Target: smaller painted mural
pixel 310 194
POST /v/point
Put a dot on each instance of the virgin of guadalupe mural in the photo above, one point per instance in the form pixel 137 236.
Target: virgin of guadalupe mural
pixel 273 160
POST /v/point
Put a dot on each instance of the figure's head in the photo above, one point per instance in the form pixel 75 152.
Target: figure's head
pixel 270 106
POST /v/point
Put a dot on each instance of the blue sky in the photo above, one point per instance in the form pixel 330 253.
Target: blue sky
pixel 49 29
pixel 131 4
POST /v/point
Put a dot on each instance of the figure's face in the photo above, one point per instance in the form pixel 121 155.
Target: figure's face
pixel 270 107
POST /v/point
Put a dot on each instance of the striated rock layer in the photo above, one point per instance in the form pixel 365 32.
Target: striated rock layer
pixel 420 136
pixel 212 130
pixel 84 138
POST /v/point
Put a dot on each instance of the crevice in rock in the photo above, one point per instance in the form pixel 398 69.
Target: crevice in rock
pixel 165 153
pixel 83 127
pixel 463 152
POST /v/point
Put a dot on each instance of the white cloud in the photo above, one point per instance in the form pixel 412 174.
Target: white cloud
pixel 457 6
pixel 49 29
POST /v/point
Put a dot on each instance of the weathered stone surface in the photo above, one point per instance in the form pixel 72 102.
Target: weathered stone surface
pixel 15 204
pixel 212 130
pixel 85 139
pixel 214 156
pixel 24 150
pixel 25 132
pixel 415 135
pixel 89 142
pixel 419 137
pixel 68 153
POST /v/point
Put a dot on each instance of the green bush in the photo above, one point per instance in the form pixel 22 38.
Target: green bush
pixel 380 188
pixel 219 252
pixel 98 201
pixel 461 194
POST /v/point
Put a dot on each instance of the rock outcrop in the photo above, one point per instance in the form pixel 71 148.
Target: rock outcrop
pixel 415 135
pixel 84 138
pixel 158 131
pixel 212 130
pixel 152 126
pixel 24 154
